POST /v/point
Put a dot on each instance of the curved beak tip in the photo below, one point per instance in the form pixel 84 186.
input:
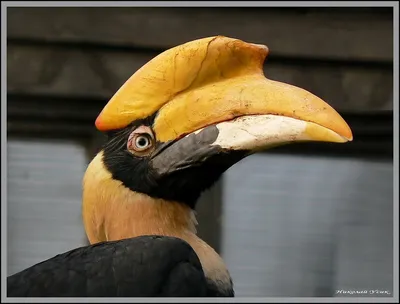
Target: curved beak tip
pixel 343 137
pixel 349 138
pixel 340 134
pixel 346 133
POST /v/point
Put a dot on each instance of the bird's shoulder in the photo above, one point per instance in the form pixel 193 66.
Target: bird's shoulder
pixel 136 267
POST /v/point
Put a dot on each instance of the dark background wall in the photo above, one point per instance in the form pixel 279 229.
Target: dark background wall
pixel 330 229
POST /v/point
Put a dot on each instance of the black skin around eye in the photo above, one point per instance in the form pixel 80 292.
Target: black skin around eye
pixel 178 170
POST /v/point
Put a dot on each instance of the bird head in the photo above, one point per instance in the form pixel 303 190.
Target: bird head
pixel 192 112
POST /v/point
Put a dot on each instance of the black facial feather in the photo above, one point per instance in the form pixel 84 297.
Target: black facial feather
pixel 134 172
pixel 177 170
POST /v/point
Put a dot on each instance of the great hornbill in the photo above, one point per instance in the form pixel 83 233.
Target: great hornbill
pixel 173 128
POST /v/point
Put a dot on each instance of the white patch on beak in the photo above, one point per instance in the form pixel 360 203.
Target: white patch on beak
pixel 255 132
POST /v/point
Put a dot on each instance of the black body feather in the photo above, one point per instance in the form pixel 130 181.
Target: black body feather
pixel 146 266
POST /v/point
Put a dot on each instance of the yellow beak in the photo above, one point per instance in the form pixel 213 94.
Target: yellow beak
pixel 220 81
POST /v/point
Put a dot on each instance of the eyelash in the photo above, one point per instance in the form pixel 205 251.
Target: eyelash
pixel 117 140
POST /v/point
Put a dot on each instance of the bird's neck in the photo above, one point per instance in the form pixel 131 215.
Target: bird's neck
pixel 114 212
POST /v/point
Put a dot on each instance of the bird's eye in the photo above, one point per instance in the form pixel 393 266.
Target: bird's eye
pixel 141 140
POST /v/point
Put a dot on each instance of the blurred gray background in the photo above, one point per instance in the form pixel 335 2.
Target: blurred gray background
pixel 303 220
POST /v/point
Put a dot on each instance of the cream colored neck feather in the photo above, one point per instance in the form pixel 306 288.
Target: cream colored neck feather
pixel 113 212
